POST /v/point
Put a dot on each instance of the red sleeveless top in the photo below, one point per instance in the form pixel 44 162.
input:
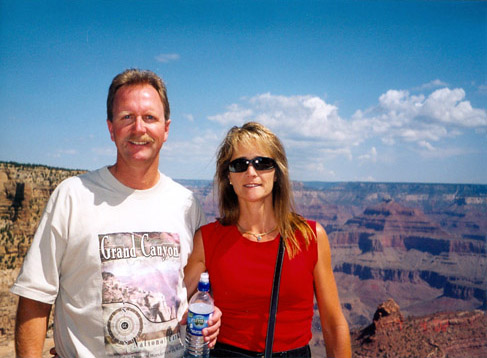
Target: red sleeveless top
pixel 241 275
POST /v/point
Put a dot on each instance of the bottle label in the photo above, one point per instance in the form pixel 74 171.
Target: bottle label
pixel 197 322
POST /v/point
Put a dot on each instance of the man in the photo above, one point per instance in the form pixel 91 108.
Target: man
pixel 109 239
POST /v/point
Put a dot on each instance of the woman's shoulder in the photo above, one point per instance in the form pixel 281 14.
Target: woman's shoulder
pixel 315 226
pixel 209 225
pixel 311 223
pixel 303 224
pixel 214 226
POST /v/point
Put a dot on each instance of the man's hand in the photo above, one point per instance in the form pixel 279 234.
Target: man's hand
pixel 211 332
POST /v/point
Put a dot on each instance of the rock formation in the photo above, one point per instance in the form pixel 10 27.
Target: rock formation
pixel 404 247
pixel 24 190
pixel 424 245
pixel 453 334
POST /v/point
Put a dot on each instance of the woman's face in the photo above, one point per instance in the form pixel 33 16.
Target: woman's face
pixel 252 185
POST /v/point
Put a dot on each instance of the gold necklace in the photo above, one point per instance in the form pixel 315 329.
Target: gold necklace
pixel 257 236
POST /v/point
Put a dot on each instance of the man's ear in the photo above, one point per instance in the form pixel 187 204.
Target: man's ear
pixel 110 129
pixel 167 123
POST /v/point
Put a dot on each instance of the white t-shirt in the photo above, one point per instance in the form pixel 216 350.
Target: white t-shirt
pixel 111 258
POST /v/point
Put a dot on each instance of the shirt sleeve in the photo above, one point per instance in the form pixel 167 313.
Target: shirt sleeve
pixel 39 275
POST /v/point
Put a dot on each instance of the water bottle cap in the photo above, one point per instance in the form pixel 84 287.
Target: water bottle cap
pixel 204 284
pixel 205 277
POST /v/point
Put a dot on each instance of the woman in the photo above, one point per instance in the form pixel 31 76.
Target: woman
pixel 239 252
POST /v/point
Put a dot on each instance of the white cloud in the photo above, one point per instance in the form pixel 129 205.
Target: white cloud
pixel 482 89
pixel 315 167
pixel 295 117
pixel 371 155
pixel 401 116
pixel 167 57
pixel 63 152
pixel 448 106
pixel 433 84
pixel 426 145
pixel 429 152
pixel 368 178
pixel 201 146
pixel 189 117
pixel 234 115
pixel 105 151
pixel 194 157
pixel 312 128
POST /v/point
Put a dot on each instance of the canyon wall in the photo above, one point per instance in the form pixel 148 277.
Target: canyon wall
pixel 423 245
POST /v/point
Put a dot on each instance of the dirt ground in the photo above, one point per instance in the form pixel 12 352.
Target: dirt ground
pixel 8 351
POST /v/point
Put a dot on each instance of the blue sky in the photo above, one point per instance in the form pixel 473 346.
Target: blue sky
pixel 357 90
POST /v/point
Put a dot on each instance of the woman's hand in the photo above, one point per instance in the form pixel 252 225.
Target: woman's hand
pixel 211 332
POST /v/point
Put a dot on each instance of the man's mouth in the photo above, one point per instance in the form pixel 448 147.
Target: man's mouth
pixel 141 141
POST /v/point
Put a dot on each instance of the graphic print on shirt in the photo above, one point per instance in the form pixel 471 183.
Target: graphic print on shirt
pixel 140 273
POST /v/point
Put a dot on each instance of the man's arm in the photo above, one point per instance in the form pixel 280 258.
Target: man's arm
pixel 31 327
pixel 196 264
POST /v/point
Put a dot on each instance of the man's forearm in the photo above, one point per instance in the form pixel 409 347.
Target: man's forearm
pixel 31 327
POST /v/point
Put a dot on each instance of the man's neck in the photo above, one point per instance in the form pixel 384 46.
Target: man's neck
pixel 144 177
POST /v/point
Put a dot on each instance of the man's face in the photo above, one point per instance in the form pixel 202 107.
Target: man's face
pixel 139 128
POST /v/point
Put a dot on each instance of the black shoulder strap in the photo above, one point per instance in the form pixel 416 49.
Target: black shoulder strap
pixel 274 298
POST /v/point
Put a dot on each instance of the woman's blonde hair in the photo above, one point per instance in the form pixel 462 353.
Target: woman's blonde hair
pixel 288 222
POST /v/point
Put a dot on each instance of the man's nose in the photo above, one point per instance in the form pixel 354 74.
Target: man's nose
pixel 139 124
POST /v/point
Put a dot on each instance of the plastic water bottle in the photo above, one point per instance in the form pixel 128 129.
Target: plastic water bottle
pixel 201 307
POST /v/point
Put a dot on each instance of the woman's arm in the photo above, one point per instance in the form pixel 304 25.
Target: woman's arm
pixel 333 323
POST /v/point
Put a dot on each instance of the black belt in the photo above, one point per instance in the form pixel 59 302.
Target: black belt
pixel 227 350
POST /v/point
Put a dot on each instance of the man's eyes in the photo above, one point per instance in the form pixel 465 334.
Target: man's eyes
pixel 146 118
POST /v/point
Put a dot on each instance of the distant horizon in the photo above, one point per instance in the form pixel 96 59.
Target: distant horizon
pixel 211 180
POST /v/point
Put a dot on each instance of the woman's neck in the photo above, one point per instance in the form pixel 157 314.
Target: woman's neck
pixel 256 217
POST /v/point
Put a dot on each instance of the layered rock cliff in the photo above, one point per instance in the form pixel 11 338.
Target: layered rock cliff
pixel 402 246
pixel 24 190
pixel 424 245
pixel 446 334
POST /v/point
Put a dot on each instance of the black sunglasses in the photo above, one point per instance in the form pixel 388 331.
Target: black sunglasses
pixel 240 165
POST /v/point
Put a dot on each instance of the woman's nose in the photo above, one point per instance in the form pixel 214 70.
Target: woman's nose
pixel 251 170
